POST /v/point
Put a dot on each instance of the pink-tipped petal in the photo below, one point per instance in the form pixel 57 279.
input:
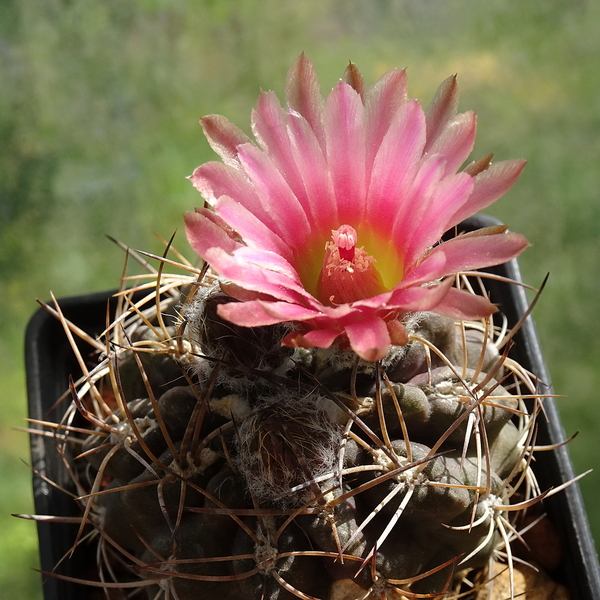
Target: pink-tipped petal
pixel 242 294
pixel 456 140
pixel 431 268
pixel 267 260
pixel 257 313
pixel 224 137
pixel 395 167
pixel 312 166
pixel 489 185
pixel 291 144
pixel 421 298
pixel 214 180
pixel 317 338
pixel 345 137
pixel 257 277
pixel 286 214
pixel 374 303
pixel 450 193
pixel 369 338
pixel 253 231
pixel 416 200
pixel 460 304
pixel 442 107
pixel 465 253
pixel 382 101
pixel 270 128
pixel 269 125
pixel 205 230
pixel 303 93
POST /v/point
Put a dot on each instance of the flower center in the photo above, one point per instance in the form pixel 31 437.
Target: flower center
pixel 348 273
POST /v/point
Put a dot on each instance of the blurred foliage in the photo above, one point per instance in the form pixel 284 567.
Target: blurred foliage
pixel 99 106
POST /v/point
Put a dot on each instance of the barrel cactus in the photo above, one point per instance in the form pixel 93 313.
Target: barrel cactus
pixel 304 417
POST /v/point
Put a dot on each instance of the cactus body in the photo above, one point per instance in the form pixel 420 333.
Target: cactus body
pixel 226 467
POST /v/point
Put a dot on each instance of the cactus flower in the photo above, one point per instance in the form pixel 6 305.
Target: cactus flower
pixel 333 218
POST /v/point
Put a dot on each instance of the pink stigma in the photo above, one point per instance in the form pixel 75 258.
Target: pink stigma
pixel 345 239
pixel 348 273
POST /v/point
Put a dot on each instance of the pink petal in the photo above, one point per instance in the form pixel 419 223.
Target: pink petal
pixel 224 137
pixel 395 167
pixel 312 165
pixel 442 107
pixel 297 155
pixel 345 138
pixel 257 277
pixel 432 267
pixel 369 338
pixel 253 231
pixel 456 140
pixel 382 101
pixel 270 128
pixel 286 215
pixel 317 338
pixel 269 124
pixel 465 253
pixel 214 180
pixel 489 186
pixel 303 93
pixel 336 313
pixel 419 299
pixel 270 261
pixel 240 293
pixel 449 194
pixel 204 230
pixel 374 302
pixel 418 193
pixel 460 304
pixel 257 313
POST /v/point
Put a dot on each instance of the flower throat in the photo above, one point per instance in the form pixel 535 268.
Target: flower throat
pixel 348 273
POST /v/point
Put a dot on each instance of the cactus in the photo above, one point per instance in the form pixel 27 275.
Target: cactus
pixel 292 420
pixel 213 463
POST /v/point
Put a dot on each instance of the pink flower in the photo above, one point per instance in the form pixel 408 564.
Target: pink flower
pixel 333 220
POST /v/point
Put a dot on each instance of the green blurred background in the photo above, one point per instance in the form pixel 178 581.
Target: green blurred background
pixel 99 109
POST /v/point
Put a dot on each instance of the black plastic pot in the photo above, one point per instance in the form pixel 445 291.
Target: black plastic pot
pixel 50 361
